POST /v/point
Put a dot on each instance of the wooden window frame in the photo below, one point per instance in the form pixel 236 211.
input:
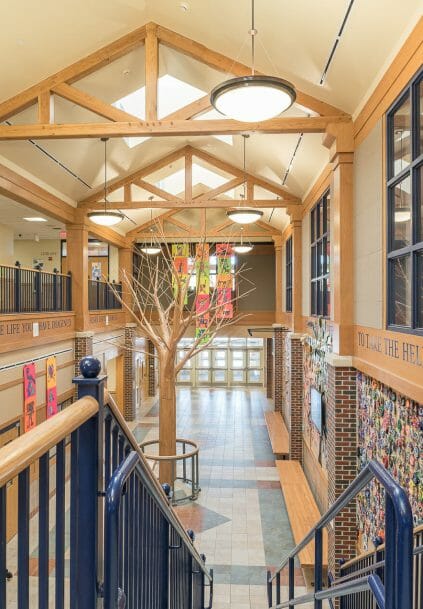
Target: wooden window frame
pixel 288 275
pixel 319 304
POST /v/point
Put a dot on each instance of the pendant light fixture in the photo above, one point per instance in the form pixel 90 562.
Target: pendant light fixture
pixel 105 217
pixel 244 214
pixel 242 248
pixel 255 97
pixel 151 249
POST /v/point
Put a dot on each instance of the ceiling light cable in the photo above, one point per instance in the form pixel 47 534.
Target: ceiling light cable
pixel 289 167
pixel 52 158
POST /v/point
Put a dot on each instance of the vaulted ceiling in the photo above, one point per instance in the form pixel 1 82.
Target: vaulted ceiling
pixel 294 42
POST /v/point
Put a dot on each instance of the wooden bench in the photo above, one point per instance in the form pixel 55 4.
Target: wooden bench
pixel 302 510
pixel 278 434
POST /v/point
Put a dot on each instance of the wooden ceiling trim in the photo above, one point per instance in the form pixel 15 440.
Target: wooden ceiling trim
pixel 196 203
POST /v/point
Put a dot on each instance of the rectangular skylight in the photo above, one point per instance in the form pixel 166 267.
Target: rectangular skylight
pixel 172 94
pixel 175 183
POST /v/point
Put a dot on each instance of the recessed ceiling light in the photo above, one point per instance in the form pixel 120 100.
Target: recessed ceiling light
pixel 185 7
pixel 126 72
pixel 35 219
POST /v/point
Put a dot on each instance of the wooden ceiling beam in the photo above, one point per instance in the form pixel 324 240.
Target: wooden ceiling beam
pixel 196 203
pixel 195 234
pixel 191 110
pixel 151 71
pixel 215 192
pixel 312 124
pixel 92 103
pixel 136 175
pixel 74 72
pixel 158 192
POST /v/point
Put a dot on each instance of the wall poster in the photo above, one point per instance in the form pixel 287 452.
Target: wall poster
pixel 30 397
pixel 180 255
pixel 51 386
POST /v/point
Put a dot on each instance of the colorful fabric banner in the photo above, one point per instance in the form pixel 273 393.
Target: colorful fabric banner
pixel 202 299
pixel 180 254
pixel 224 281
pixel 51 386
pixel 30 397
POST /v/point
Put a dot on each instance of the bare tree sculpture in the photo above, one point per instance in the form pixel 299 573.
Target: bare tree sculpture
pixel 163 304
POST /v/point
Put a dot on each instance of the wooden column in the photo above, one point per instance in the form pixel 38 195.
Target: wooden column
pixel 297 270
pixel 126 269
pixel 277 239
pixel 77 261
pixel 339 139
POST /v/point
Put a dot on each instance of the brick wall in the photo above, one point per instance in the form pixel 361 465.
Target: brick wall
pixel 342 459
pixel 296 393
pixel 151 364
pixel 129 373
pixel 279 368
pixel 269 367
pixel 83 347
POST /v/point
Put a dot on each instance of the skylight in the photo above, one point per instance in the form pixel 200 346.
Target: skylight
pixel 172 94
pixel 215 115
pixel 175 183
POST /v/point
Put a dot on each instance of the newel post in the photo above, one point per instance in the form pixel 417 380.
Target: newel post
pixel 87 487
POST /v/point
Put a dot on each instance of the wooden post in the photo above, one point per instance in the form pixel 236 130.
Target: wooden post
pixel 339 140
pixel 126 265
pixel 77 264
pixel 297 267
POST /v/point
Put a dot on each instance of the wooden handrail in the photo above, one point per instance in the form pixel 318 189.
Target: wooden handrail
pixel 22 452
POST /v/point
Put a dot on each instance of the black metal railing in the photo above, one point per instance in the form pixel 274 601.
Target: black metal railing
pixel 374 563
pixel 103 295
pixel 24 290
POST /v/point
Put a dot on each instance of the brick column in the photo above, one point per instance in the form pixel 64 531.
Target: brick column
pixel 341 414
pixel 296 392
pixel 129 373
pixel 151 364
pixel 279 368
pixel 269 367
pixel 83 346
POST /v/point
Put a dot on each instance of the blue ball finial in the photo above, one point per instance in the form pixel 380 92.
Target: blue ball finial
pixel 90 367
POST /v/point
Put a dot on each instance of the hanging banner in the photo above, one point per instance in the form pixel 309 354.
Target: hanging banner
pixel 202 298
pixel 51 386
pixel 180 254
pixel 224 281
pixel 30 397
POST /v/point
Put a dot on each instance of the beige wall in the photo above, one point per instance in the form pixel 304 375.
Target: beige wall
pixel 26 250
pixel 368 210
pixel 306 264
pixel 6 245
pixel 113 263
pixel 11 386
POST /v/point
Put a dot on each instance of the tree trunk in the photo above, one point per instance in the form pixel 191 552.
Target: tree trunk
pixel 167 416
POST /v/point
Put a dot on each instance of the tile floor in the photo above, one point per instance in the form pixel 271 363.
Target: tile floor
pixel 240 518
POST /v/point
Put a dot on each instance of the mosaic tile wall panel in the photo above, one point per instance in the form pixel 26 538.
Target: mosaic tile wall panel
pixel 390 429
pixel 315 375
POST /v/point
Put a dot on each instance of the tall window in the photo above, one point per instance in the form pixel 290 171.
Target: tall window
pixel 288 275
pixel 405 209
pixel 320 257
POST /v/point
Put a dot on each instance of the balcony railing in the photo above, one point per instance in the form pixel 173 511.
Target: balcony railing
pixel 103 295
pixel 24 290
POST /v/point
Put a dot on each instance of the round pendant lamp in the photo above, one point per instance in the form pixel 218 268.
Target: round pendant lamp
pixel 105 217
pixel 151 249
pixel 244 214
pixel 242 248
pixel 253 98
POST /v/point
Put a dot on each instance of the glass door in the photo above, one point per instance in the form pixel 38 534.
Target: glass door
pixel 220 367
pixel 255 367
pixel 237 366
pixel 204 367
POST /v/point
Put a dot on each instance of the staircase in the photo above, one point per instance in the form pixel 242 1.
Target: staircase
pixel 127 548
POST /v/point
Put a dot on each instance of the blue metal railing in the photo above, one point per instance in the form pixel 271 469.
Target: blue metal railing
pixel 374 562
pixel 104 528
pixel 397 590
